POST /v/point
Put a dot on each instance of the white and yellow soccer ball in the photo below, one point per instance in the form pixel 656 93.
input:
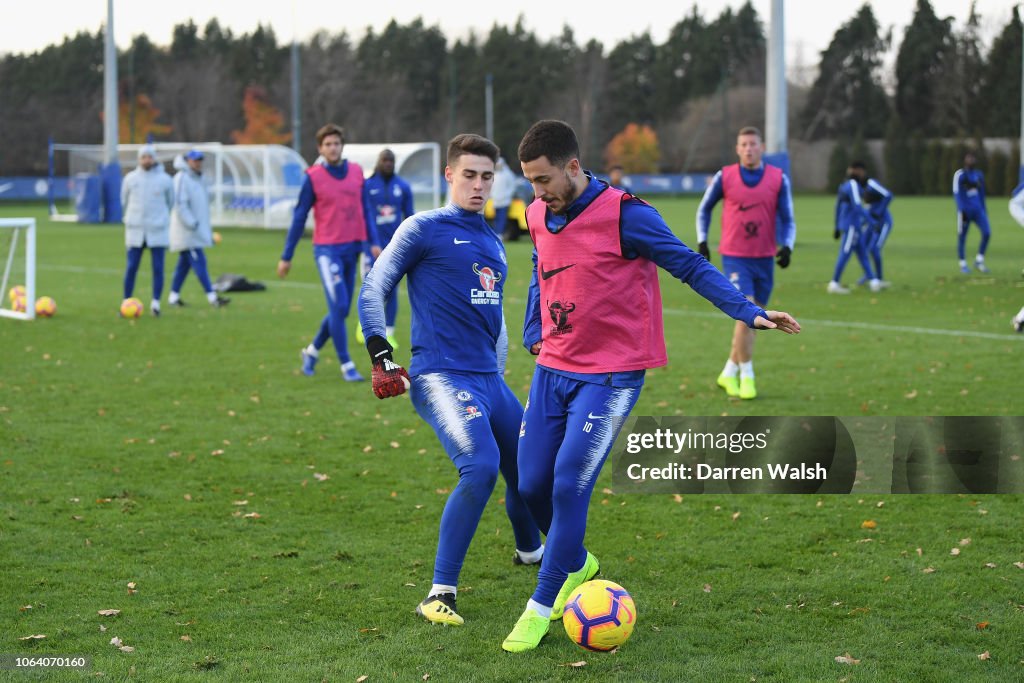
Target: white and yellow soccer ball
pixel 46 307
pixel 599 615
pixel 131 308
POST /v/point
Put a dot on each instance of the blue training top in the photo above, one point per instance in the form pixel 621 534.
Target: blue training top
pixel 456 271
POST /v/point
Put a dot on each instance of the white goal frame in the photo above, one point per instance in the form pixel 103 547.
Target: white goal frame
pixel 17 225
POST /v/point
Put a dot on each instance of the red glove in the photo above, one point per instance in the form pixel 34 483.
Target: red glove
pixel 389 378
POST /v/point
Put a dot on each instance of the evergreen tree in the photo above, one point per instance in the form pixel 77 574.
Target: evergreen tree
pixel 921 64
pixel 847 96
pixel 1000 91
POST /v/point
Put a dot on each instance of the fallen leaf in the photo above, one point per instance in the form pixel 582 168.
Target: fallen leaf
pixel 846 659
pixel 928 570
pixel 576 665
pixel 1019 565
pixel 984 655
pixel 361 679
pixel 982 625
pixel 240 502
pixel 103 629
pixel 868 524
pixel 912 394
pixel 320 477
pixel 954 552
pixel 116 642
pixel 919 552
pixel 108 612
pixel 964 541
pixel 252 515
pixel 677 498
pixel 990 565
pixel 219 451
pixel 186 638
pixel 25 608
pixel 126 648
pixel 707 587
pixel 735 515
pixel 38 636
pixel 426 677
pixel 369 630
pixel 412 585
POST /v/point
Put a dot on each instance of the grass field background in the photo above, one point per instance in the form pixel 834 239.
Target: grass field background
pixel 286 525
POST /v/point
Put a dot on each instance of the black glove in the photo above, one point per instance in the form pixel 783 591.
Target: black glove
pixel 703 250
pixel 782 258
pixel 389 378
pixel 836 234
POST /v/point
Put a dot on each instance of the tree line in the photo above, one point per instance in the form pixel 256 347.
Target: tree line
pixel 408 82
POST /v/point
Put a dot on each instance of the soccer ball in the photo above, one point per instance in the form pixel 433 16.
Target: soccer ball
pixel 16 292
pixel 46 307
pixel 18 304
pixel 216 237
pixel 599 615
pixel 131 308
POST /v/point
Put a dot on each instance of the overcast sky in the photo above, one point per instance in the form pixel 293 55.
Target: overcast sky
pixel 32 25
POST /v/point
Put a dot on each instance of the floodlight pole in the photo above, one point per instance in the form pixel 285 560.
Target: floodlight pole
pixel 109 89
pixel 296 112
pixel 776 142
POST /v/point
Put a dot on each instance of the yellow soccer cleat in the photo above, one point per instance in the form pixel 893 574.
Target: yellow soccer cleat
pixel 527 633
pixel 572 582
pixel 747 388
pixel 440 609
pixel 730 383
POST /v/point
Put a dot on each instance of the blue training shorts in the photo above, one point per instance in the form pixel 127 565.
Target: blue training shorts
pixel 752 276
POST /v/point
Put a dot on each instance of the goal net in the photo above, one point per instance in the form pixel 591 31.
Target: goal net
pixel 18 275
pixel 250 185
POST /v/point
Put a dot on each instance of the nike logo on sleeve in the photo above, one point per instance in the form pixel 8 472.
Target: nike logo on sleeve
pixel 545 274
pixel 458 241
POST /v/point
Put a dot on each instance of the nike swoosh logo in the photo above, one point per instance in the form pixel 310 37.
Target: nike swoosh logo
pixel 745 208
pixel 545 274
pixel 458 241
pixel 591 416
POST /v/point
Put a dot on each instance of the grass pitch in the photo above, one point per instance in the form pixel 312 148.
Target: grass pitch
pixel 279 527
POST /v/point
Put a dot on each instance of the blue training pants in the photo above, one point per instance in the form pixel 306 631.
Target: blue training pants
pixel 476 417
pixel 336 264
pixel 191 259
pixel 568 429
pixel 134 258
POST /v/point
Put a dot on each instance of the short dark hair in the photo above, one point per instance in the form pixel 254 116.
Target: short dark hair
pixel 858 164
pixel 750 130
pixel 470 143
pixel 551 138
pixel 330 129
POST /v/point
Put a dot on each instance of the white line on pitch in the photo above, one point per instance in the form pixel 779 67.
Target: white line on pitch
pixel 878 327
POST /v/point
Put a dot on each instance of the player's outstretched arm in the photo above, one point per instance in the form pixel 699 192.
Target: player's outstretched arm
pixel 777 320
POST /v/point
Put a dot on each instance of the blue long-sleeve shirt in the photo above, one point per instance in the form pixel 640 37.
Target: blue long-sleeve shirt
pixel 785 233
pixel 878 197
pixel 849 205
pixel 388 202
pixel 969 190
pixel 644 234
pixel 307 198
pixel 456 272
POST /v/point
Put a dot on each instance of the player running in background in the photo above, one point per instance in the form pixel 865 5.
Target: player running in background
pixel 851 229
pixel 755 195
pixel 969 195
pixel 456 271
pixel 1017 211
pixel 388 200
pixel 879 220
pixel 593 315
pixel 333 188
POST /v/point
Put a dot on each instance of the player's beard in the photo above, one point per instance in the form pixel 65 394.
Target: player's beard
pixel 566 198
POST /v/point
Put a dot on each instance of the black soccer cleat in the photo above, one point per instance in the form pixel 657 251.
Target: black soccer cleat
pixel 220 302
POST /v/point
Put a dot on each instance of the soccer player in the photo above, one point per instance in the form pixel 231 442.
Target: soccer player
pixel 389 201
pixel 755 195
pixel 334 190
pixel 190 228
pixel 879 220
pixel 147 197
pixel 969 194
pixel 851 229
pixel 593 317
pixel 615 179
pixel 456 273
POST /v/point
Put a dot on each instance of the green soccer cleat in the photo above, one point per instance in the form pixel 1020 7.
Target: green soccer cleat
pixel 572 582
pixel 360 337
pixel 747 388
pixel 393 341
pixel 527 633
pixel 440 609
pixel 730 383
